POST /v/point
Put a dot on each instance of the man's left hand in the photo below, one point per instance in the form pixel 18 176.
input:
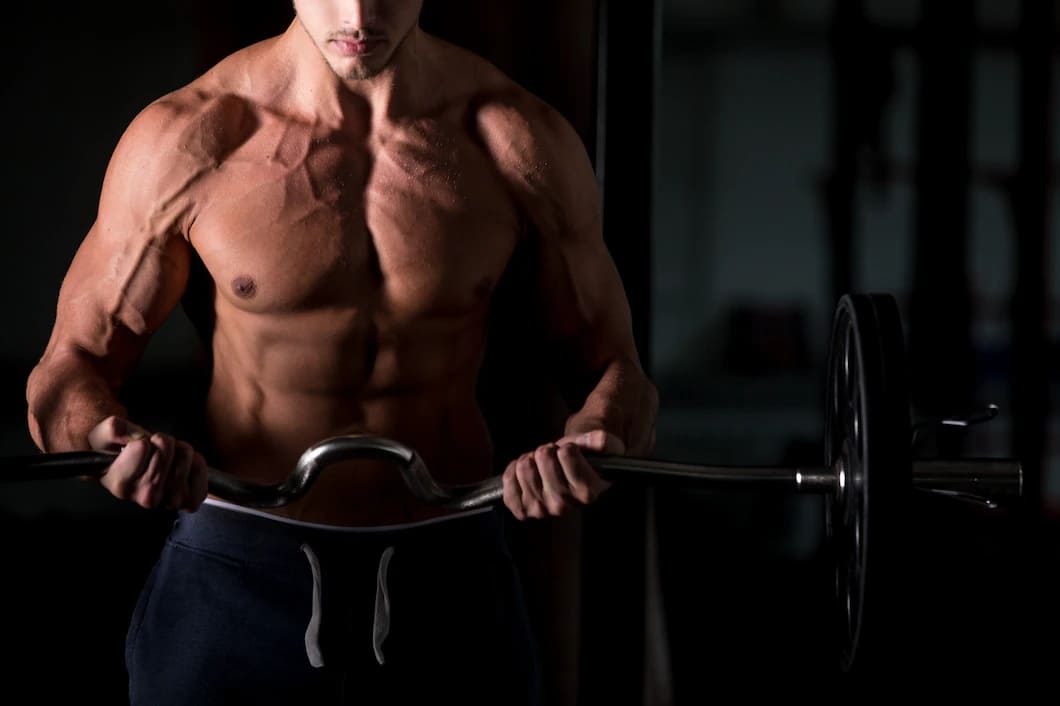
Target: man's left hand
pixel 554 478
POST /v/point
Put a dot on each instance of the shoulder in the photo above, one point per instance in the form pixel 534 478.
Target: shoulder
pixel 533 146
pixel 537 152
pixel 201 122
pixel 194 126
pixel 505 115
pixel 183 134
pixel 171 147
pixel 163 153
pixel 520 127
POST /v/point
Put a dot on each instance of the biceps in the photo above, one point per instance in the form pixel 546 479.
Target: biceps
pixel 119 291
pixel 587 305
pixel 147 284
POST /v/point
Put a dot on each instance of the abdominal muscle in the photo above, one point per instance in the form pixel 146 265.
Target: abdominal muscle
pixel 264 410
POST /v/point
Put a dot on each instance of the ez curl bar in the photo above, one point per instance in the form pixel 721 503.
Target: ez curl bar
pixel 867 477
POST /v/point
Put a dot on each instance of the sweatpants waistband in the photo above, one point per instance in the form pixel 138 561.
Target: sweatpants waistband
pixel 261 539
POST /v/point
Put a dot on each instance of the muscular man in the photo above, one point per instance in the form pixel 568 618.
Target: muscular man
pixel 355 189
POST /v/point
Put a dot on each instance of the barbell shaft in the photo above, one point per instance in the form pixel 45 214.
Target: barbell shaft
pixel 984 480
pixel 48 466
pixel 70 464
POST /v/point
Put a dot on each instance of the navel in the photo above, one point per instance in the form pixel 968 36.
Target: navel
pixel 245 287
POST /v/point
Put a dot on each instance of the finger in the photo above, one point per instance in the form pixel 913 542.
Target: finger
pixel 153 485
pixel 585 483
pixel 513 496
pixel 177 480
pixel 530 486
pixel 123 475
pixel 555 489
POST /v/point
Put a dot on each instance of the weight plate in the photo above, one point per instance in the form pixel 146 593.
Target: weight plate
pixel 867 440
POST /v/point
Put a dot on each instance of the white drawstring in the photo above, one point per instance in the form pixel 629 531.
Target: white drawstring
pixel 381 627
pixel 312 632
pixel 381 624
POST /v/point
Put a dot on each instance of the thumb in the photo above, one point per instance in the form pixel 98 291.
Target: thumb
pixel 598 440
pixel 115 432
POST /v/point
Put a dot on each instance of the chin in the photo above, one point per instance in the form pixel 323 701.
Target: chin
pixel 355 71
pixel 361 73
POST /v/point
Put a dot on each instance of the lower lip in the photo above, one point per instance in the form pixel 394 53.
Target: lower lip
pixel 355 48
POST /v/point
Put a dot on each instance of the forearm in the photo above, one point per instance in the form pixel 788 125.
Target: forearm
pixel 67 397
pixel 624 402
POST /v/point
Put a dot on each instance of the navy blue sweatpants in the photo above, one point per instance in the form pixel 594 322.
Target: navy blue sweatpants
pixel 246 609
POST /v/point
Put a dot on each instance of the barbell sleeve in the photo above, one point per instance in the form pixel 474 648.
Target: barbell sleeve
pixel 983 480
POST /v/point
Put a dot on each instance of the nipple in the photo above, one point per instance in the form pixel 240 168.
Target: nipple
pixel 244 287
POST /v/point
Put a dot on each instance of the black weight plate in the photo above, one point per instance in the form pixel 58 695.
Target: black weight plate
pixel 867 433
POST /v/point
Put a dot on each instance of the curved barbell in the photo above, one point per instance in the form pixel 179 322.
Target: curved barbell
pixel 986 481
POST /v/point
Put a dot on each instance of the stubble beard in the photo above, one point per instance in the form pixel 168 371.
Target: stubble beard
pixel 358 73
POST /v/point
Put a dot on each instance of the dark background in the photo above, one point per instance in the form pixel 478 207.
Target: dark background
pixel 758 159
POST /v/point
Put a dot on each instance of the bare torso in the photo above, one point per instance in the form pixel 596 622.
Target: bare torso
pixel 352 237
pixel 352 267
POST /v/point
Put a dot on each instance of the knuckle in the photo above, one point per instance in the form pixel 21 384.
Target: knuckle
pixel 567 454
pixel 110 426
pixel 545 453
pixel 163 442
pixel 525 472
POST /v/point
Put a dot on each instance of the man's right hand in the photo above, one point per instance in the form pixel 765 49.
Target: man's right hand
pixel 151 470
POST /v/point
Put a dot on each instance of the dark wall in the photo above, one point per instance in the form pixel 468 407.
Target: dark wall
pixel 806 149
pixel 75 558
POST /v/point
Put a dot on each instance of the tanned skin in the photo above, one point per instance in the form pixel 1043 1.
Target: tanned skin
pixel 355 189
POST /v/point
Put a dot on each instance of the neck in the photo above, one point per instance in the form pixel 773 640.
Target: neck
pixel 397 91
